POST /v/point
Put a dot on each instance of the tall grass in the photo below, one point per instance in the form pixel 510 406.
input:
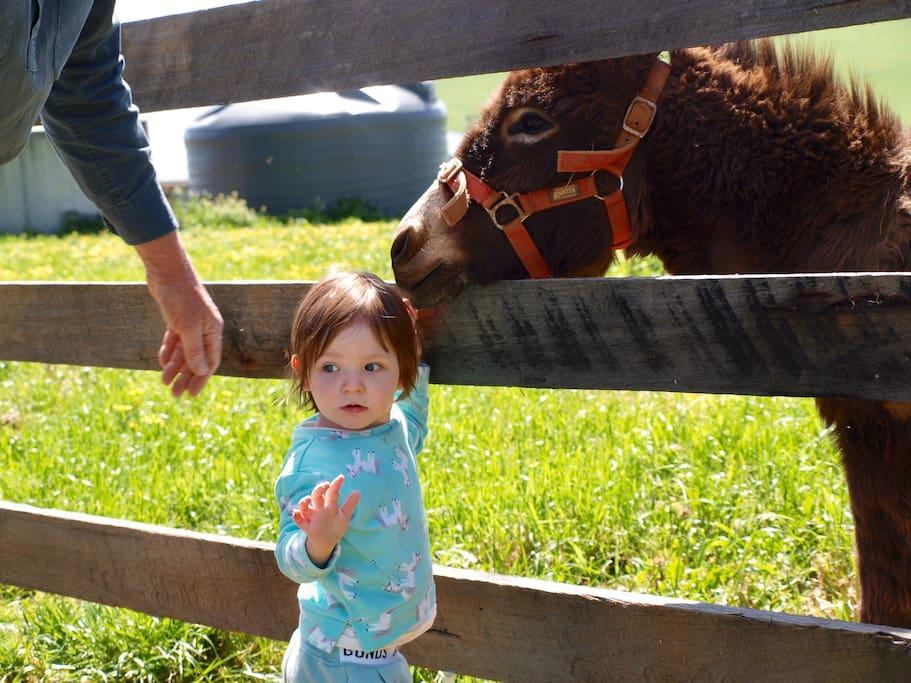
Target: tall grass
pixel 733 500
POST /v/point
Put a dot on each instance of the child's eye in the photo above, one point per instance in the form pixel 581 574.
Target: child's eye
pixel 329 367
pixel 373 367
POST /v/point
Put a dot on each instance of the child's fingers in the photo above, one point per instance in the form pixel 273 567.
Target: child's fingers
pixel 318 495
pixel 412 311
pixel 332 491
pixel 301 514
pixel 350 503
pixel 301 518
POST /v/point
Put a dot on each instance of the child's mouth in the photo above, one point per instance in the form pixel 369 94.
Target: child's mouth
pixel 354 408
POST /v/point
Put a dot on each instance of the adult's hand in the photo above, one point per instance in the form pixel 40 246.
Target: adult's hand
pixel 191 347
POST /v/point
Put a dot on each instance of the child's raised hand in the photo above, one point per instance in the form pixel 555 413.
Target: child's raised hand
pixel 320 517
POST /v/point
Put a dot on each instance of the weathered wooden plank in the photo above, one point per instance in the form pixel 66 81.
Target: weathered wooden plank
pixel 498 627
pixel 802 335
pixel 277 48
pixel 826 335
pixel 118 324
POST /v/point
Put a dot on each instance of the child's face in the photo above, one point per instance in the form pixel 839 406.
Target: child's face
pixel 354 381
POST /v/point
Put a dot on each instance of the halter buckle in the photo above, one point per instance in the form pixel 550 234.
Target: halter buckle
pixel 648 113
pixel 449 170
pixel 506 200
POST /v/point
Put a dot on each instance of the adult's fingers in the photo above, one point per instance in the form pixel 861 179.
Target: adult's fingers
pixel 174 365
pixel 182 383
pixel 196 384
pixel 169 343
pixel 188 381
pixel 212 343
pixel 194 350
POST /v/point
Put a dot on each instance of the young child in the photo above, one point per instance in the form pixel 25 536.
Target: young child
pixel 352 529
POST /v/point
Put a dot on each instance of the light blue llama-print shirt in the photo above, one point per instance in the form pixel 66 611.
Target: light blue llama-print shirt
pixel 379 579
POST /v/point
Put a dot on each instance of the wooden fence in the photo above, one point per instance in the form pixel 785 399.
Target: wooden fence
pixel 787 335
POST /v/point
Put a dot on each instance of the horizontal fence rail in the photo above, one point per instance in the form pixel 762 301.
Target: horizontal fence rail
pixel 795 335
pixel 277 48
pixel 487 625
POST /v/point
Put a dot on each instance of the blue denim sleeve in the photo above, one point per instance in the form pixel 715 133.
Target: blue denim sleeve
pixel 92 123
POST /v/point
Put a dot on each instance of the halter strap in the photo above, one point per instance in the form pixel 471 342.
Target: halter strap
pixel 509 212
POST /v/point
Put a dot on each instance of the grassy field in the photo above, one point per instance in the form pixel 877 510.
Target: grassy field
pixel 724 499
pixel 731 500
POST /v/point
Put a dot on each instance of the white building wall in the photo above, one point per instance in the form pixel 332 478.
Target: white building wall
pixel 37 190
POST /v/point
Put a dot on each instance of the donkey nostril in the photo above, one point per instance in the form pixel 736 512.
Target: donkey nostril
pixel 408 241
pixel 399 244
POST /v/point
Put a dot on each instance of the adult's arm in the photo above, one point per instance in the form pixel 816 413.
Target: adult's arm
pixel 91 121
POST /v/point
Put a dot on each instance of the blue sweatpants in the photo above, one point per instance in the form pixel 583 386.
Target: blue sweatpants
pixel 304 663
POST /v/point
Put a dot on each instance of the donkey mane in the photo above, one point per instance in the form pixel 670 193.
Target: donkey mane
pixel 781 160
pixel 795 89
pixel 798 71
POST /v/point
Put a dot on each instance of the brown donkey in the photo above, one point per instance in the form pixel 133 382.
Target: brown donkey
pixel 754 161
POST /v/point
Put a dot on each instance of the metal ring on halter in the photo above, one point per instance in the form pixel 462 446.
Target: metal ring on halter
pixel 619 189
pixel 506 200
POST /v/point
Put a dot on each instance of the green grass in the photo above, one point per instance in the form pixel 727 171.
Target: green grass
pixel 732 500
pixel 464 98
pixel 878 53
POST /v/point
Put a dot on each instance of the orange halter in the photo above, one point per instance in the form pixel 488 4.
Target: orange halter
pixel 509 211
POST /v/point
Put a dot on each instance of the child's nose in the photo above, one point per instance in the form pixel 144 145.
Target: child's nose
pixel 353 382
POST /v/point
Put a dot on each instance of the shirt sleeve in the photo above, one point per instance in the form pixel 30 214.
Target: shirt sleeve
pixel 91 121
pixel 290 550
pixel 415 409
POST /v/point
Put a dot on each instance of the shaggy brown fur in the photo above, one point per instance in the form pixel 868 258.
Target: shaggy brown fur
pixel 758 162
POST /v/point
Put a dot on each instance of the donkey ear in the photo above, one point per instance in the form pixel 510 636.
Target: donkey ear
pixel 643 63
pixel 624 73
pixel 646 58
pixel 637 61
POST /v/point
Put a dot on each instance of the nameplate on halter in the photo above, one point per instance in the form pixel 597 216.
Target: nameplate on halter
pixel 560 194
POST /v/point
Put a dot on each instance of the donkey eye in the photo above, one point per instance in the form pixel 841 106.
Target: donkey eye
pixel 530 124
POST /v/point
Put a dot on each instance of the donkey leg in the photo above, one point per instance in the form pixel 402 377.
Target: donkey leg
pixel 875 441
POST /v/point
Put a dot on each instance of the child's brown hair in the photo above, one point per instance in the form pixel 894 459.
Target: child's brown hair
pixel 340 299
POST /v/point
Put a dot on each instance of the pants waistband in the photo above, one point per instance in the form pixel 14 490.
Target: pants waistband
pixel 362 658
